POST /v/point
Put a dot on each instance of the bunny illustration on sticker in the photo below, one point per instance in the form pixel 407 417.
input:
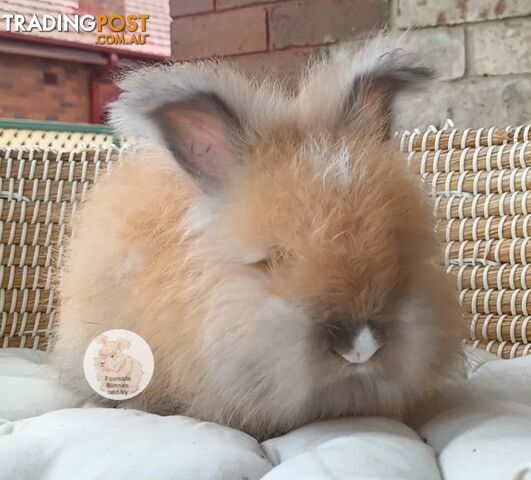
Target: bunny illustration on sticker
pixel 118 364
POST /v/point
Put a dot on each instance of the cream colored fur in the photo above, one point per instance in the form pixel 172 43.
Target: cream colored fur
pixel 234 288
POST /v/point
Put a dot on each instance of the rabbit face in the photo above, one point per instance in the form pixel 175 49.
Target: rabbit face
pixel 325 252
pixel 110 357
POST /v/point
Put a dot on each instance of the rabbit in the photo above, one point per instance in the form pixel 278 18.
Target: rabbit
pixel 271 248
pixel 114 368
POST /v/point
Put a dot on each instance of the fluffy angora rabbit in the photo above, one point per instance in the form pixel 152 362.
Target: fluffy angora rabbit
pixel 273 251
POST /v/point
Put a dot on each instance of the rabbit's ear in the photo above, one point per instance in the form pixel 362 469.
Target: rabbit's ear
pixel 361 86
pixel 123 344
pixel 201 134
pixel 102 339
pixel 196 111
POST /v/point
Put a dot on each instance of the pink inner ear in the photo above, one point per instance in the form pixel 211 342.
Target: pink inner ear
pixel 209 147
pixel 201 134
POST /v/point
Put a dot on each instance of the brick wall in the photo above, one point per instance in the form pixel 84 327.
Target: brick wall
pixel 101 7
pixel 37 88
pixel 482 48
pixel 44 89
pixel 269 37
pixel 483 51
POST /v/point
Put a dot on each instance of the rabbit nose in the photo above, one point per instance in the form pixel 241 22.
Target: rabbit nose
pixel 363 346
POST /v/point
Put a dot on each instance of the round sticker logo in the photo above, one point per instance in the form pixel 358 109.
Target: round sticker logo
pixel 118 364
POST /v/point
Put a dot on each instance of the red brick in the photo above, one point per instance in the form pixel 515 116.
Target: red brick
pixel 100 7
pixel 317 22
pixel 24 94
pixel 219 34
pixel 237 3
pixel 285 66
pixel 186 7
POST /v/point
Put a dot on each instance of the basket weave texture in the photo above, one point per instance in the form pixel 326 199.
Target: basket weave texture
pixel 481 184
pixel 480 181
pixel 39 189
pixel 46 139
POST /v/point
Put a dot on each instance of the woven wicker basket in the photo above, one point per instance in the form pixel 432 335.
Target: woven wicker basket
pixel 481 181
pixel 55 135
pixel 39 189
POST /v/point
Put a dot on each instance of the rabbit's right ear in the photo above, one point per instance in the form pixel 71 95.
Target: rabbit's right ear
pixel 102 339
pixel 196 111
pixel 123 344
pixel 201 133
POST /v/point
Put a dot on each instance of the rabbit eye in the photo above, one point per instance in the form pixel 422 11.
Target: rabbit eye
pixel 261 265
pixel 277 256
pixel 112 356
pixel 280 255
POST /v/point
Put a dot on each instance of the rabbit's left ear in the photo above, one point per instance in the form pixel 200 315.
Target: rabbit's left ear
pixel 361 87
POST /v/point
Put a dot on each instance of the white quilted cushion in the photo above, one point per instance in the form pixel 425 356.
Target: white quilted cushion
pixel 90 443
pixel 480 428
pixel 352 448
pixel 27 387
